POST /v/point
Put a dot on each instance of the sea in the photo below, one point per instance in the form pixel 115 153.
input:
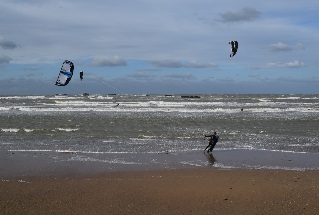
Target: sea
pixel 120 131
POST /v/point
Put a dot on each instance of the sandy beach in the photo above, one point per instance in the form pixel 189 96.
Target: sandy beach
pixel 189 191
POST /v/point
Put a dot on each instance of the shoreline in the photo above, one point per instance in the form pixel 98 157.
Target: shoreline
pixel 182 191
pixel 64 164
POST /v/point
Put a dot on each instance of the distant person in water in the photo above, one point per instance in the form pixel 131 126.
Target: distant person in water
pixel 213 139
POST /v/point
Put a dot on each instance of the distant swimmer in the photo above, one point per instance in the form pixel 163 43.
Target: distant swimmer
pixel 213 139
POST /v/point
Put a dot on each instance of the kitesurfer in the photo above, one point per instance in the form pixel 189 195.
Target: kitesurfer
pixel 81 75
pixel 213 139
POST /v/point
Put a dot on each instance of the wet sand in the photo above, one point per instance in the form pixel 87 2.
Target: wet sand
pixel 55 163
pixel 189 191
pixel 228 182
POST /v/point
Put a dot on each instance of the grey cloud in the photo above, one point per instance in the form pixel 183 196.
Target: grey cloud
pixel 7 44
pixel 245 14
pixel 115 61
pixel 5 59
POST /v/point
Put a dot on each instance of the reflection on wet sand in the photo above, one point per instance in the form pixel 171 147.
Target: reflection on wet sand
pixel 210 157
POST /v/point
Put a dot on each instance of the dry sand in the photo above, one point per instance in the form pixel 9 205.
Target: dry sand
pixel 197 191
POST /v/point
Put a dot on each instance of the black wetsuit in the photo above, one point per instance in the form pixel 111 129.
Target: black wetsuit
pixel 81 76
pixel 212 142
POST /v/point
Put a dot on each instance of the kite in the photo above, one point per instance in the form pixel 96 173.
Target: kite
pixel 234 48
pixel 81 75
pixel 65 74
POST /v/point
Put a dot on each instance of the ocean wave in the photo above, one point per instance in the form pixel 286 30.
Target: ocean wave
pixel 10 130
pixel 111 161
pixel 67 129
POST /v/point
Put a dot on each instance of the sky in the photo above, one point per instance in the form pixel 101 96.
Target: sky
pixel 160 46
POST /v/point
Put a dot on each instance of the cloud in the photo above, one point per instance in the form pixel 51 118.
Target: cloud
pixel 200 65
pixel 179 64
pixel 245 14
pixel 141 75
pixel 7 44
pixel 114 61
pixel 285 47
pixel 280 47
pixel 5 59
pixel 292 64
pixel 167 63
pixel 187 76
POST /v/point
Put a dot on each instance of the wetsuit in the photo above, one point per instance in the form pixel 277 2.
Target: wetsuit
pixel 212 142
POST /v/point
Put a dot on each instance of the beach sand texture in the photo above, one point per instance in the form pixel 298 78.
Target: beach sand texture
pixel 191 191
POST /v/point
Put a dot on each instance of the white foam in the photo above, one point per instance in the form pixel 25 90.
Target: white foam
pixel 30 150
pixel 11 130
pixel 221 166
pixel 67 129
pixel 278 167
pixel 289 98
pixel 114 161
pixel 22 97
pixel 7 143
pixel 108 141
pixel 67 151
pixel 28 130
pixel 82 103
pixel 99 103
pixel 190 163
